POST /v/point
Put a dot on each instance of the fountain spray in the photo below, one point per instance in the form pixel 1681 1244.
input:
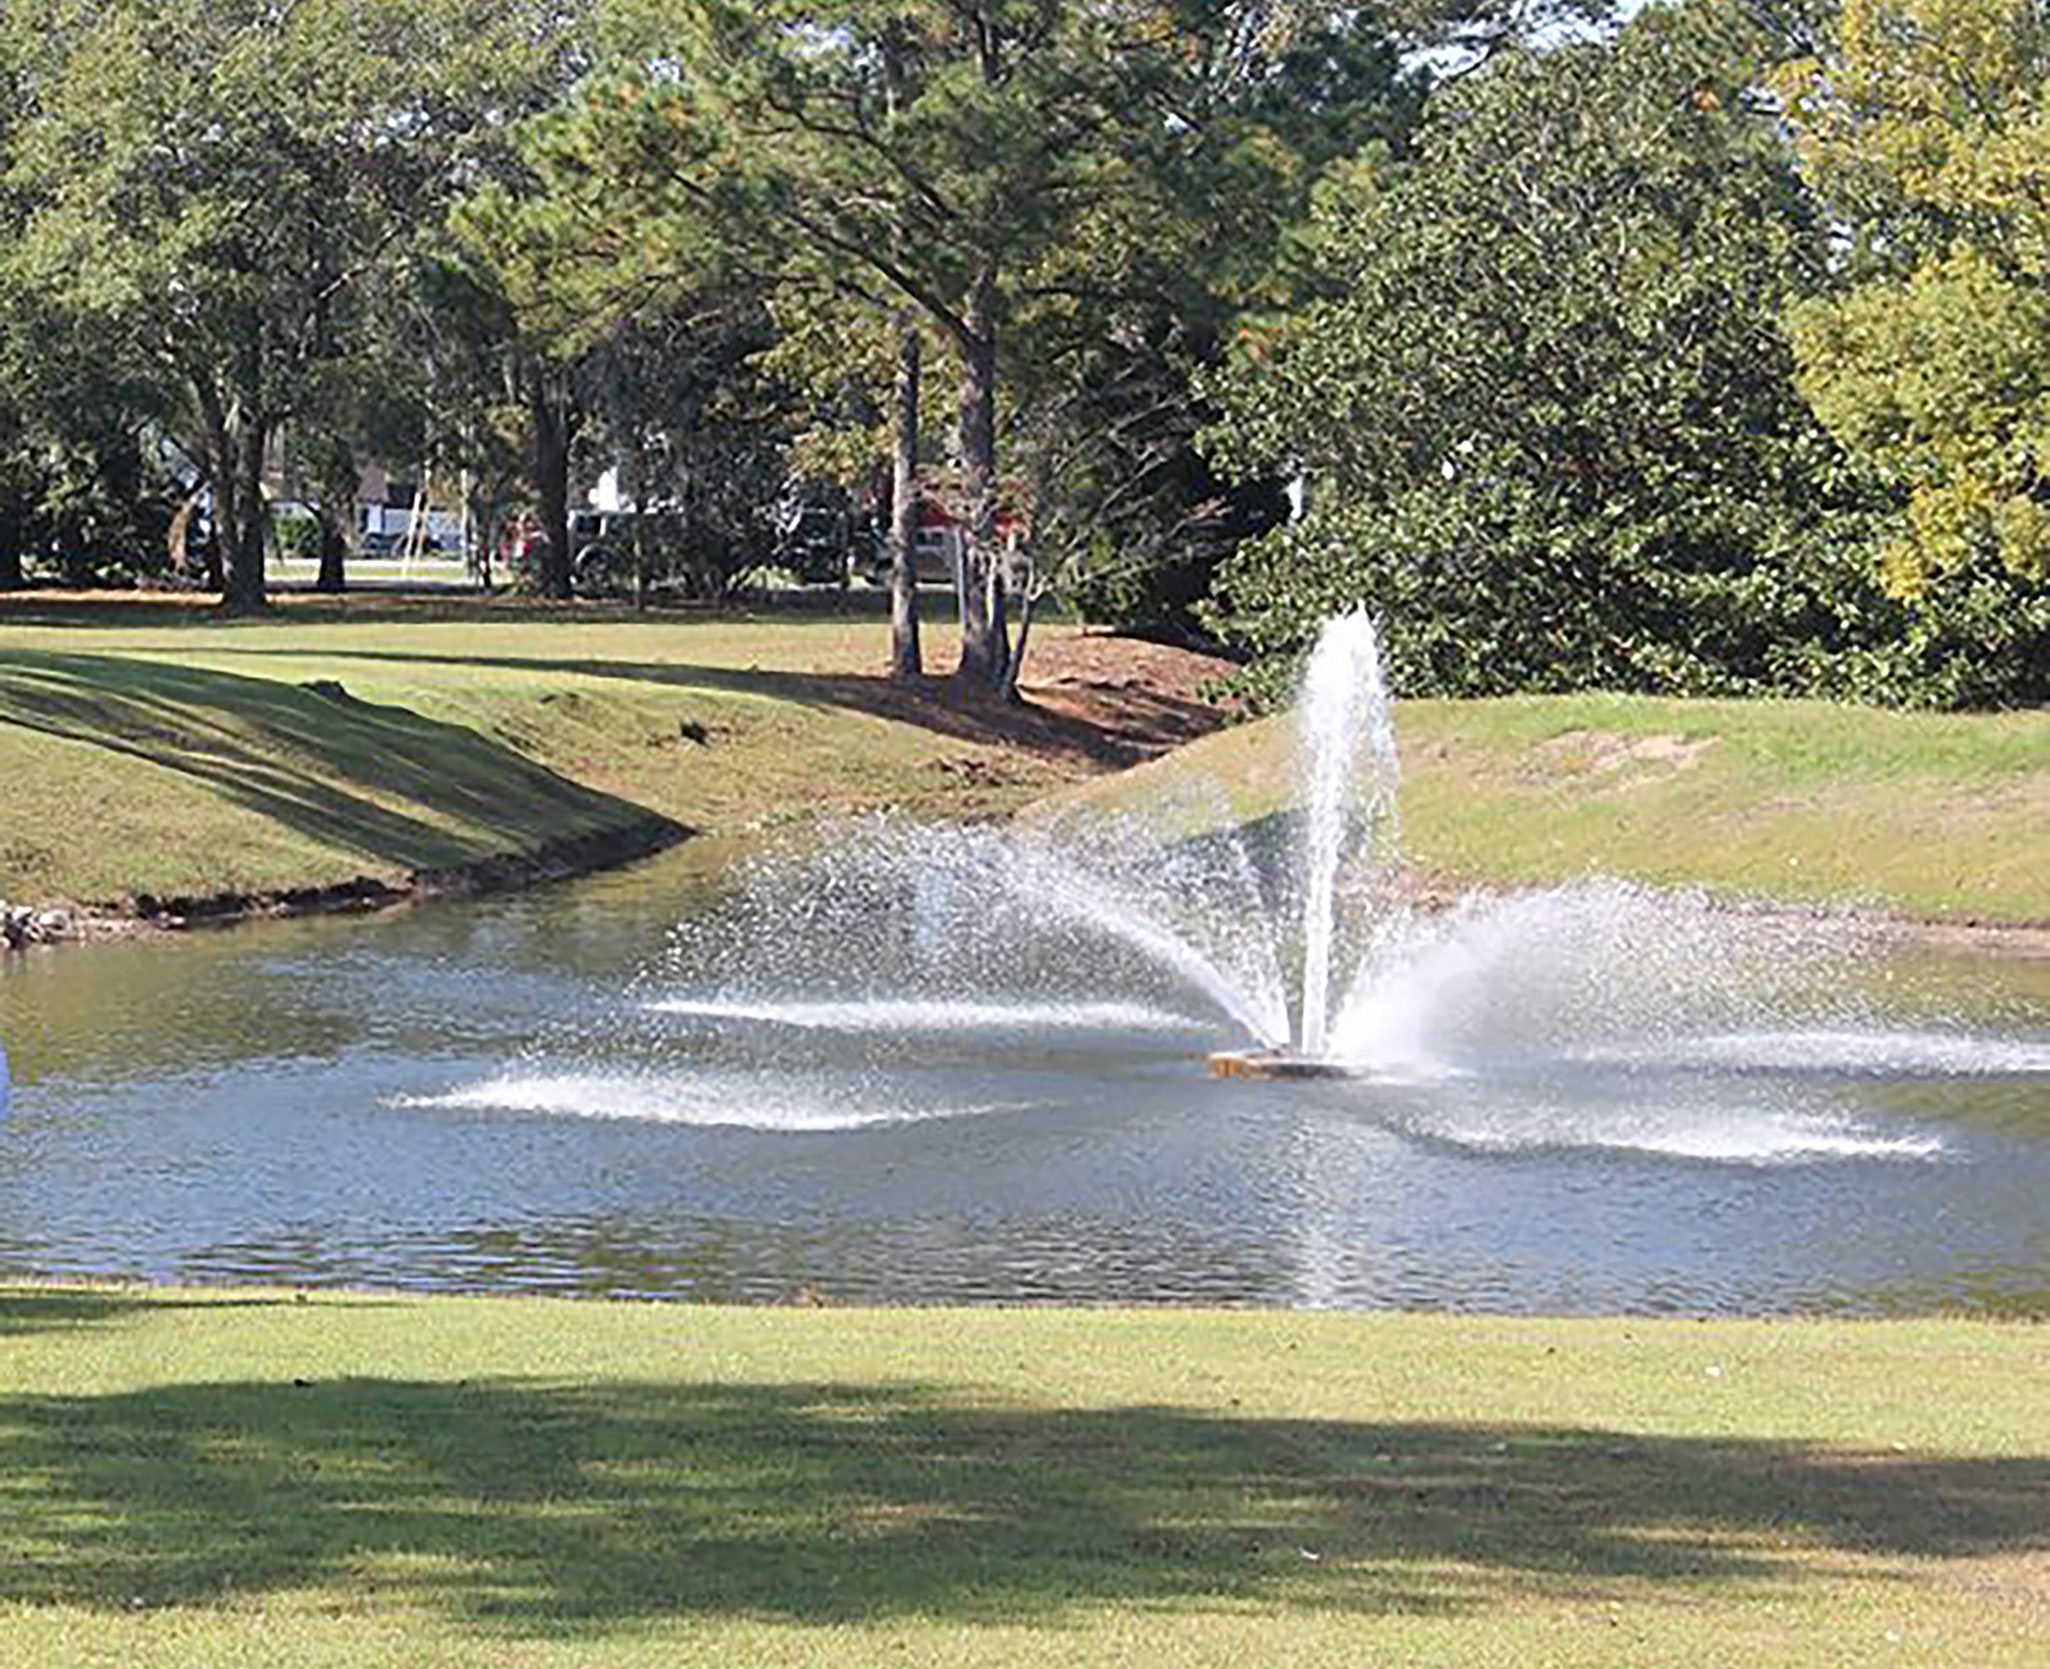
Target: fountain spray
pixel 1345 739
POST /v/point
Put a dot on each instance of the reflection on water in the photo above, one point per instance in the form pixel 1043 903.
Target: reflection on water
pixel 497 1096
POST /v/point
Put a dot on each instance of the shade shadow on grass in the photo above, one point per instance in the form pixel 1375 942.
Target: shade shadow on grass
pixel 1135 720
pixel 318 763
pixel 570 1509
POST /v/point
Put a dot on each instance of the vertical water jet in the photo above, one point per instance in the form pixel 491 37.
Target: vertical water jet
pixel 1346 744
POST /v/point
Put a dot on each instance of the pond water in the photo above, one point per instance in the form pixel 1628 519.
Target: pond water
pixel 559 1093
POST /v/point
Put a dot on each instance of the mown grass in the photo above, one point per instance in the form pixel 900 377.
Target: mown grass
pixel 156 748
pixel 247 1478
pixel 1932 815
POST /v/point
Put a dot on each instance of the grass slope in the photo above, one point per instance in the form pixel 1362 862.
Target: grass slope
pixel 1929 814
pixel 211 1479
pixel 157 748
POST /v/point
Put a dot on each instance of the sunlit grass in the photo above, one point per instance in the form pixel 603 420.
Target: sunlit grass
pixel 157 748
pixel 246 1478
pixel 1935 815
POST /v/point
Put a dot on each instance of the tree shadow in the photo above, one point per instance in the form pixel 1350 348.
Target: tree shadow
pixel 540 1508
pixel 312 758
pixel 1129 724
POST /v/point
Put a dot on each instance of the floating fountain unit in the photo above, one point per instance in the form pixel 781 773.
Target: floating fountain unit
pixel 1274 1063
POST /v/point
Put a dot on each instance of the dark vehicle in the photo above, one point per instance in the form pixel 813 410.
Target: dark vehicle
pixel 935 557
pixel 607 546
pixel 820 536
pixel 384 545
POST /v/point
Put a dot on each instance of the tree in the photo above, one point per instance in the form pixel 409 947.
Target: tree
pixel 1129 517
pixel 925 159
pixel 211 189
pixel 1926 124
pixel 589 318
pixel 88 485
pixel 1540 399
pixel 859 377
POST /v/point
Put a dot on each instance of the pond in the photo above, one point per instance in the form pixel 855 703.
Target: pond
pixel 558 1092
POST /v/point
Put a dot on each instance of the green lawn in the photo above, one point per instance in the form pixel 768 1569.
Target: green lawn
pixel 154 747
pixel 254 1478
pixel 1931 815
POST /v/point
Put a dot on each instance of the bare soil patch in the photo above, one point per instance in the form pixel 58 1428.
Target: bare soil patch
pixel 1089 702
pixel 1608 753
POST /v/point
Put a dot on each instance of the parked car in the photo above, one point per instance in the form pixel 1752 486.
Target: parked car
pixel 606 546
pixel 935 555
pixel 821 536
pixel 382 545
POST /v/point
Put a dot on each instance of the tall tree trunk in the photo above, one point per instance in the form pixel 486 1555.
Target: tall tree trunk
pixel 983 642
pixel 552 433
pixel 483 514
pixel 1016 659
pixel 241 531
pixel 337 484
pixel 906 658
pixel 13 532
pixel 334 555
pixel 637 466
pixel 216 453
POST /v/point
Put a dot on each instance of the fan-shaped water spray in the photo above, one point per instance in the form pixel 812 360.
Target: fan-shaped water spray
pixel 842 983
pixel 1290 932
pixel 1170 900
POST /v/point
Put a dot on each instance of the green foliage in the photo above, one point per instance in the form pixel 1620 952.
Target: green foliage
pixel 1130 518
pixel 295 535
pixel 1544 408
pixel 82 498
pixel 1927 122
pixel 213 193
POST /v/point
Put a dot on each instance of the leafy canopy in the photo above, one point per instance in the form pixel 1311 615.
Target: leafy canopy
pixel 1927 123
pixel 1542 402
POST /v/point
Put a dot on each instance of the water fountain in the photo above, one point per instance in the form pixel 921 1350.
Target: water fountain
pixel 1292 928
pixel 1350 777
pixel 1082 960
pixel 1269 925
pixel 913 1063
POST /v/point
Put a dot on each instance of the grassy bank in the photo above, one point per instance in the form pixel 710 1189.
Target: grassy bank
pixel 203 1479
pixel 154 748
pixel 1930 815
pixel 150 747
